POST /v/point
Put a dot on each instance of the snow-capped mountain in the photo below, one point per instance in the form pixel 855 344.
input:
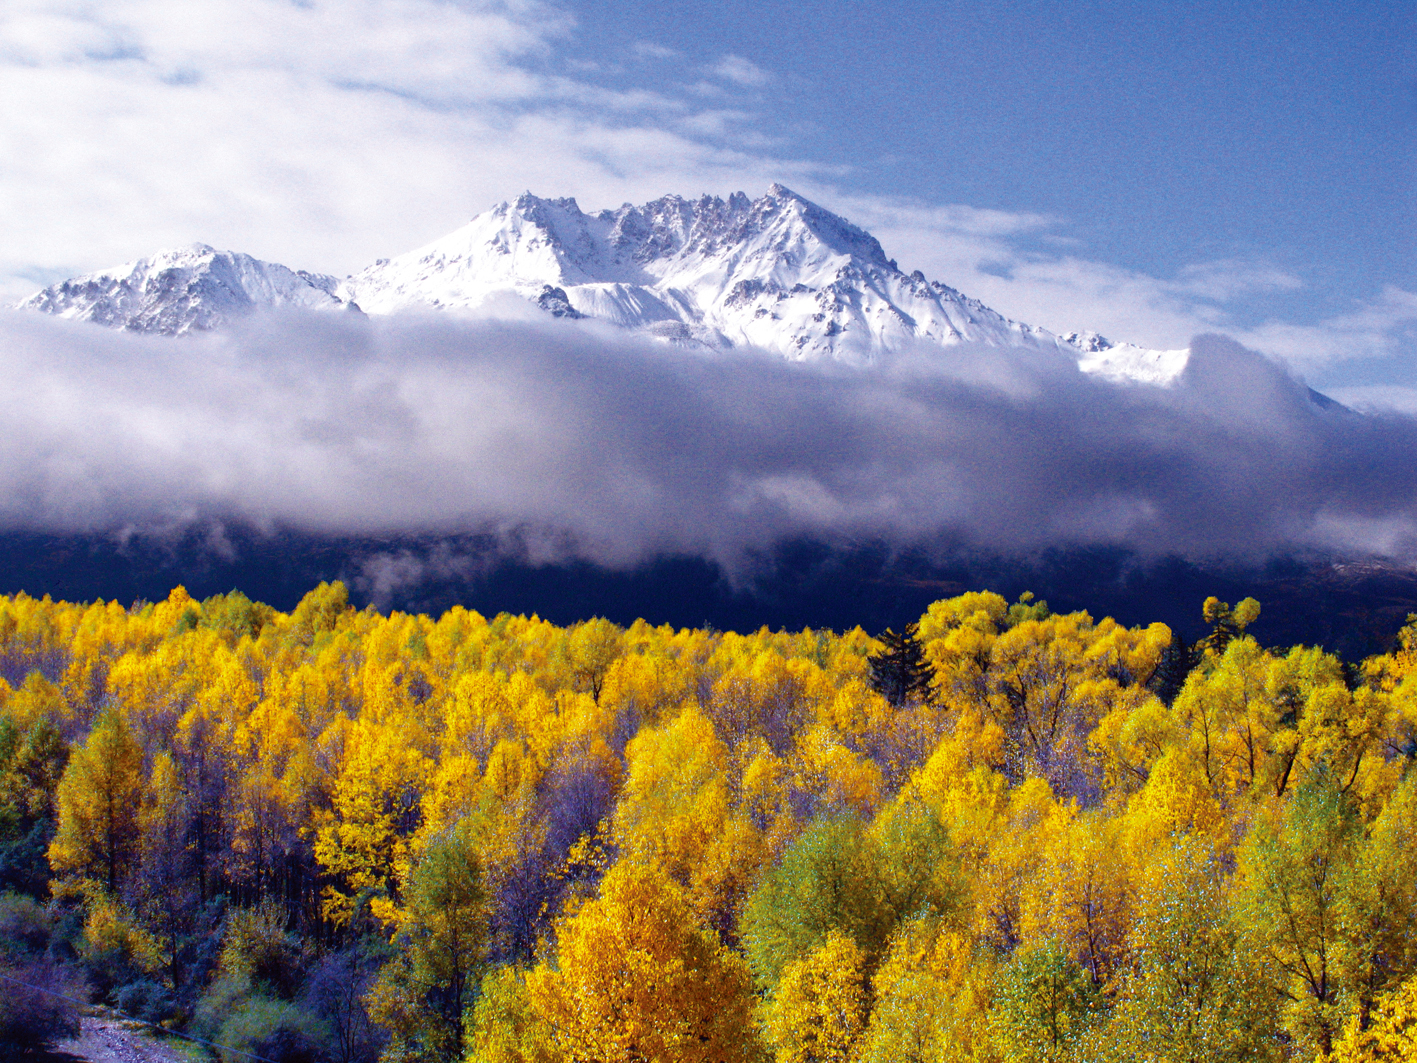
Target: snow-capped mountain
pixel 778 272
pixel 187 288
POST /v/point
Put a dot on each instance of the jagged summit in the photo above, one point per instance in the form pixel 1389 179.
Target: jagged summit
pixel 186 288
pixel 778 272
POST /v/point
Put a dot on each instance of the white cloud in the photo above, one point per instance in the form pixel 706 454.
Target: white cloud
pixel 1382 327
pixel 588 437
pixel 741 71
pixel 322 135
pixel 329 133
pixel 995 256
pixel 1378 398
pixel 651 50
pixel 1226 278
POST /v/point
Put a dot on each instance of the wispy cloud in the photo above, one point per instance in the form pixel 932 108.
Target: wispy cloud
pixel 1377 328
pixel 1224 279
pixel 322 135
pixel 651 50
pixel 740 71
pixel 1026 266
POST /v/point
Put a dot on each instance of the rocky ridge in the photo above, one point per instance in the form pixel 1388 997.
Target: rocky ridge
pixel 779 273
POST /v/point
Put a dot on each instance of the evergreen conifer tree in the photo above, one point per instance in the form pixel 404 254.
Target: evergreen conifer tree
pixel 900 672
pixel 1177 660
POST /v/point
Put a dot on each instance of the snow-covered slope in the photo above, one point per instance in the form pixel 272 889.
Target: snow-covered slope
pixel 778 272
pixel 188 288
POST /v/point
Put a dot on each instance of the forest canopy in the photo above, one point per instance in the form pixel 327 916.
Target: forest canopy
pixel 1002 834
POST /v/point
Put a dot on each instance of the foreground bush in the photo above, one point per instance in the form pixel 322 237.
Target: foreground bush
pixel 273 1030
pixel 37 1005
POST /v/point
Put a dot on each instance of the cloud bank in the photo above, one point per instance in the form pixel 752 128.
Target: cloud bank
pixel 591 444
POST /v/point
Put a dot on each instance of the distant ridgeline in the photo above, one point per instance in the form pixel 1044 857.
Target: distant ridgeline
pixel 1351 609
pixel 1002 831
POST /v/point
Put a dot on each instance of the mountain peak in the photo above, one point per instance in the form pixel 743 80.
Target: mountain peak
pixel 530 204
pixel 181 289
pixel 778 272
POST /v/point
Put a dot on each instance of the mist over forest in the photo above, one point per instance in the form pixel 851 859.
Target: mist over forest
pixel 572 469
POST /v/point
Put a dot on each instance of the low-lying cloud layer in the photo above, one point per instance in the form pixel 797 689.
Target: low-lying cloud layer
pixel 589 443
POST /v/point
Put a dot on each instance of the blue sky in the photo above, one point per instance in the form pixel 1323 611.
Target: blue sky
pixel 1166 133
pixel 1147 170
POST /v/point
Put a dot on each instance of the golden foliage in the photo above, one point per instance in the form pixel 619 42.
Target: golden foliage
pixel 641 802
pixel 639 979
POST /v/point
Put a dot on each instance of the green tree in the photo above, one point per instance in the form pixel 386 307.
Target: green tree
pixel 1194 995
pixel 1044 1005
pixel 1377 904
pixel 425 992
pixel 32 761
pixel 843 875
pixel 1292 870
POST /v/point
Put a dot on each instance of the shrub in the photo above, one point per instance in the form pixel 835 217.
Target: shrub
pixel 273 1030
pixel 25 927
pixel 146 1000
pixel 258 949
pixel 37 1005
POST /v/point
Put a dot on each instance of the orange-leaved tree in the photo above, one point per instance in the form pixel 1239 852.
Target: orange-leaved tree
pixel 638 979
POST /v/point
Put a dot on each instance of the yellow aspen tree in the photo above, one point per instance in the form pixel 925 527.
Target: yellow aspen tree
pixel 98 802
pixel 38 699
pixel 1130 738
pixel 1389 1035
pixel 1007 875
pixel 675 799
pixel 1243 710
pixel 837 776
pixel 1082 896
pixel 1177 799
pixel 592 647
pixel 932 997
pixel 364 838
pixel 638 979
pixel 505 1028
pixel 819 1009
pixel 1035 671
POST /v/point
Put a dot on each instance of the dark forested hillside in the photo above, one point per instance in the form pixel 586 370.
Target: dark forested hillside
pixel 1352 608
pixel 1008 833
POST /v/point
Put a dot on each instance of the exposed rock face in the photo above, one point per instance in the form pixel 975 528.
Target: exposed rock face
pixel 778 273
